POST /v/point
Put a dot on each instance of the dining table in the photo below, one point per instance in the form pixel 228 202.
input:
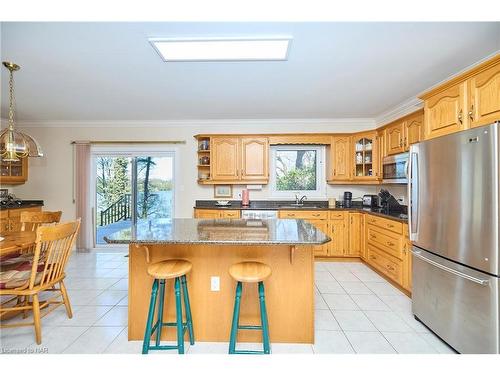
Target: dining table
pixel 15 241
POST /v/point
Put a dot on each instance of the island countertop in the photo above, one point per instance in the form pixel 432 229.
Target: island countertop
pixel 221 231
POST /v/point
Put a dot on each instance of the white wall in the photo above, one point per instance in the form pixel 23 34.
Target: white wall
pixel 50 177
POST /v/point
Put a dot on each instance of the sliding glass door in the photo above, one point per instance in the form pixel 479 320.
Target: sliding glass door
pixel 131 188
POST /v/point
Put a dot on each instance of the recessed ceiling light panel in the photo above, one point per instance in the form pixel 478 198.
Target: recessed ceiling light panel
pixel 222 49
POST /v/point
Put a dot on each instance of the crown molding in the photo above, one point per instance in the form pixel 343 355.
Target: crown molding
pixel 362 122
pixel 403 109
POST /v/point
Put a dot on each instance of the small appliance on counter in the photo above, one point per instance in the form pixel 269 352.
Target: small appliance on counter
pixel 10 200
pixel 347 199
pixel 370 200
pixel 388 202
pixel 245 198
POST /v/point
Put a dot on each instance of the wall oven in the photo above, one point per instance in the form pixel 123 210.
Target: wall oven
pixel 395 169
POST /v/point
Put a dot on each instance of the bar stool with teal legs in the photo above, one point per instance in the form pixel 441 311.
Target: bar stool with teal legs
pixel 249 272
pixel 176 269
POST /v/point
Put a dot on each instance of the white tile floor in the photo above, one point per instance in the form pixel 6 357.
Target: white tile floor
pixel 357 311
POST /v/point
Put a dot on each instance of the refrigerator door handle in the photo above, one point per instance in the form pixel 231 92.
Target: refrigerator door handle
pixel 413 193
pixel 419 255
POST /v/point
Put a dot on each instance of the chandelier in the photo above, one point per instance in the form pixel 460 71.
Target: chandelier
pixel 13 143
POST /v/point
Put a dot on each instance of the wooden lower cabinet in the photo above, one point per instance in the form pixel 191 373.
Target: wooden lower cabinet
pixel 318 218
pixel 355 234
pixel 10 219
pixel 388 249
pixel 382 243
pixel 339 233
pixel 407 284
pixel 321 250
pixel 201 213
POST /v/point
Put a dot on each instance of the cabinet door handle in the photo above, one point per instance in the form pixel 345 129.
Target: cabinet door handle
pixel 334 172
pixel 316 215
pixel 460 118
pixel 390 226
pixel 390 243
pixel 471 113
pixel 373 236
pixel 373 257
pixel 391 268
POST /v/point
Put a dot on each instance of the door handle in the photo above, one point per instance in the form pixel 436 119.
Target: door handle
pixel 419 255
pixel 460 116
pixel 471 113
pixel 413 192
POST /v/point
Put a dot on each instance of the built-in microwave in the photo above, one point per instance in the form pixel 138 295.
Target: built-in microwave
pixel 395 169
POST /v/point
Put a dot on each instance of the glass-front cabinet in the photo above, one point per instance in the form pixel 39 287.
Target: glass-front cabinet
pixel 365 157
pixel 13 172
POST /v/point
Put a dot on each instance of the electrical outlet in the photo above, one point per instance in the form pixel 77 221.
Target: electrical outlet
pixel 215 283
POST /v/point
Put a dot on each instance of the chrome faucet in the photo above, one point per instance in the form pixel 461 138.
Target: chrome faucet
pixel 299 201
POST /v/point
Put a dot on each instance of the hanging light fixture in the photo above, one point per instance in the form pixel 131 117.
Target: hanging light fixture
pixel 13 143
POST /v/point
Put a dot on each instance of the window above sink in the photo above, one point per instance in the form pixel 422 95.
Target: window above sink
pixel 297 170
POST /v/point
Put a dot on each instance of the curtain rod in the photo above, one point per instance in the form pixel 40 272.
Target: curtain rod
pixel 128 142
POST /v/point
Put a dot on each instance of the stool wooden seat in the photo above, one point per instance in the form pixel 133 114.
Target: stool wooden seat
pixel 169 269
pixel 250 272
pixel 176 269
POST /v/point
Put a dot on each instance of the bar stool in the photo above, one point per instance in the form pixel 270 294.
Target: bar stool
pixel 249 272
pixel 162 271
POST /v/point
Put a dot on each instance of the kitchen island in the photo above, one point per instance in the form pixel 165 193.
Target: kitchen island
pixel 212 246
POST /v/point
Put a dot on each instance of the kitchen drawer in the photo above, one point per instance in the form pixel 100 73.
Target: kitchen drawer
pixel 313 215
pixel 230 214
pixel 337 215
pixel 392 244
pixel 393 226
pixel 388 265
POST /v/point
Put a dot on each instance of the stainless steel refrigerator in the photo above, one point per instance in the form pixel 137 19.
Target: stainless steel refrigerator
pixel 454 209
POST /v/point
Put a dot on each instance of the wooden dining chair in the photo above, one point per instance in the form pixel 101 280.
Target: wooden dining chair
pixel 30 220
pixel 43 272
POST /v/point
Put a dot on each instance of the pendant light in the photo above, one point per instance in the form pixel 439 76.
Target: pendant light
pixel 13 143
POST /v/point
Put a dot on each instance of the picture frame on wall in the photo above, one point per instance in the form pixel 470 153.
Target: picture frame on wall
pixel 223 191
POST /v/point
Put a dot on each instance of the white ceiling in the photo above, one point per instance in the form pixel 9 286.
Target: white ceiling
pixel 109 71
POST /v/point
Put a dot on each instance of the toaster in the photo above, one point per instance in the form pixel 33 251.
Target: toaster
pixel 370 200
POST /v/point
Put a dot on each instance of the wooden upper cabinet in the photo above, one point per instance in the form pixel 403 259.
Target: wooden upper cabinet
pixel 14 172
pixel 365 156
pixel 340 158
pixel 484 93
pixel 254 159
pixel 380 153
pixel 446 111
pixel 225 164
pixel 413 129
pixel 394 138
pixel 235 159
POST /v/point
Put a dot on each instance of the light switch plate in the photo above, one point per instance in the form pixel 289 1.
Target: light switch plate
pixel 215 283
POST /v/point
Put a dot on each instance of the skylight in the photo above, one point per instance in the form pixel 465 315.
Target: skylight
pixel 222 49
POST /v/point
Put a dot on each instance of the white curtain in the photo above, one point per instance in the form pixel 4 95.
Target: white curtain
pixel 82 195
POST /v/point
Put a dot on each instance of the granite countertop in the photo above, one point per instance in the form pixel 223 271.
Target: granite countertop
pixel 400 216
pixel 23 204
pixel 221 232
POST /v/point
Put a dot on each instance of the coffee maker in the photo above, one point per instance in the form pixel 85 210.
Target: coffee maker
pixel 347 199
